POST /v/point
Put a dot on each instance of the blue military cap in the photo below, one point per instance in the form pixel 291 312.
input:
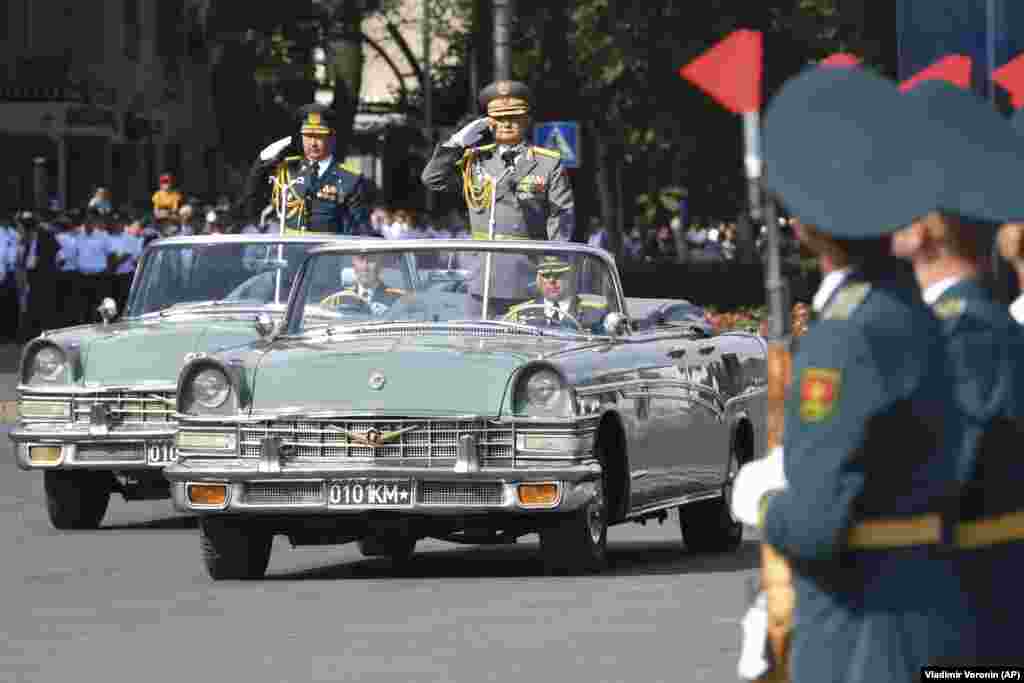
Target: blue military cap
pixel 840 152
pixel 981 155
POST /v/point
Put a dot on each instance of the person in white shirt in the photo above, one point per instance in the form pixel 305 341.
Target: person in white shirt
pixel 94 249
pixel 125 249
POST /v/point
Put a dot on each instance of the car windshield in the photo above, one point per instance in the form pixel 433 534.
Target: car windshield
pixel 232 272
pixel 563 290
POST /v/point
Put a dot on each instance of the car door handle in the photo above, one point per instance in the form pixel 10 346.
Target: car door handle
pixel 705 350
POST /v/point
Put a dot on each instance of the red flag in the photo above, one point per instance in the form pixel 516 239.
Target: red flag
pixel 1011 77
pixel 840 59
pixel 953 68
pixel 730 71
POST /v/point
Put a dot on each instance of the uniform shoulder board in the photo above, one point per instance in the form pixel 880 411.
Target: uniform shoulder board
pixel 548 152
pixel 592 304
pixel 846 301
pixel 520 306
pixel 486 148
pixel 950 308
pixel 392 290
pixel 297 157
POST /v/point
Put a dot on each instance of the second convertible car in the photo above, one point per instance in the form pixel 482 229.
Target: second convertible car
pixel 469 391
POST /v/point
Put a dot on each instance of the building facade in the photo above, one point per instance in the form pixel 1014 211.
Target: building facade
pixel 104 92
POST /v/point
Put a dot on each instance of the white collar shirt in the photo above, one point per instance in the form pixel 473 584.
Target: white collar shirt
pixel 93 251
pixel 323 165
pixel 829 284
pixel 551 306
pixel 932 293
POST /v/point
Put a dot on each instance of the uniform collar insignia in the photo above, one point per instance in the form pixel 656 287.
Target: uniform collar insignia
pixel 846 301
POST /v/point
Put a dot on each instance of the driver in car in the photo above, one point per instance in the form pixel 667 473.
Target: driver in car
pixel 369 290
pixel 558 304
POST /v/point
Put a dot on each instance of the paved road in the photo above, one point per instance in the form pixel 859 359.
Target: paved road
pixel 131 602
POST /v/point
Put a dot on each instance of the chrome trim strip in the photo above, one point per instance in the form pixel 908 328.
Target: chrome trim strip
pixel 75 390
pixel 674 502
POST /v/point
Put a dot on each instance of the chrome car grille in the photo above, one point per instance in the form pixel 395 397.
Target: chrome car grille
pixel 419 438
pixel 127 406
pixel 457 493
pixel 284 493
pixel 109 452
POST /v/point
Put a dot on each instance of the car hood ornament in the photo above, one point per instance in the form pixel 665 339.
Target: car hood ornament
pixel 373 436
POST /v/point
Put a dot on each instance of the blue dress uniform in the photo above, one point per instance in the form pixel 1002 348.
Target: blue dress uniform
pixel 871 424
pixel 329 200
pixel 986 353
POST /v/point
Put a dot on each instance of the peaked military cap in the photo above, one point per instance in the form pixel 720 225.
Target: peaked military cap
pixel 554 265
pixel 316 120
pixel 841 151
pixel 505 98
pixel 982 156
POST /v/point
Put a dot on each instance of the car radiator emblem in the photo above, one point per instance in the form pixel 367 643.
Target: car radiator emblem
pixel 377 380
pixel 373 436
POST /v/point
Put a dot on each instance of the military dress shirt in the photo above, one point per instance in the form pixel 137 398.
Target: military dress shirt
pixel 533 201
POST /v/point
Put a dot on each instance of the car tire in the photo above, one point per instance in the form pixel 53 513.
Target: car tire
pixel 708 526
pixel 578 542
pixel 234 548
pixel 76 499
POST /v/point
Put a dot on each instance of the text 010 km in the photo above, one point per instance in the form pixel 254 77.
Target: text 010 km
pixel 161 453
pixel 369 493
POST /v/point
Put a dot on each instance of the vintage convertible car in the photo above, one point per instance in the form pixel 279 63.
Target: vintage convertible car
pixel 96 402
pixel 500 389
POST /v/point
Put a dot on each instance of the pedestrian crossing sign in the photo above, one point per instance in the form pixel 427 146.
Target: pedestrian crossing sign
pixel 560 136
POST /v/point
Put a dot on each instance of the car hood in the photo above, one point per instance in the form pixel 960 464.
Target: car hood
pixel 423 375
pixel 152 352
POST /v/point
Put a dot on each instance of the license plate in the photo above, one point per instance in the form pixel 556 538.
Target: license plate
pixel 369 493
pixel 161 453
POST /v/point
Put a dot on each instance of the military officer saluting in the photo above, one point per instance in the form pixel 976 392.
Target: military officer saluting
pixel 872 428
pixel 527 185
pixel 320 195
pixel 558 304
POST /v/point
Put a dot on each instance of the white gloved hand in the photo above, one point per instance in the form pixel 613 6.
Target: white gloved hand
pixel 271 151
pixel 752 662
pixel 470 133
pixel 753 481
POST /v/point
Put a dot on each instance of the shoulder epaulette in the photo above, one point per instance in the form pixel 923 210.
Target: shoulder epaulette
pixel 517 307
pixel 846 301
pixel 592 304
pixel 486 148
pixel 548 152
pixel 950 308
pixel 392 290
pixel 297 157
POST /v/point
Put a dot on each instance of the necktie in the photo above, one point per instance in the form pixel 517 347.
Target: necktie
pixel 556 316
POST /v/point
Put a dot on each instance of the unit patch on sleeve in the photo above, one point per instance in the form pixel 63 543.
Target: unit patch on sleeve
pixel 819 391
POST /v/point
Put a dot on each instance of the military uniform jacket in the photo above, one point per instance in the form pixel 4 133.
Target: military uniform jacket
pixel 870 434
pixel 589 315
pixel 380 299
pixel 335 202
pixel 534 202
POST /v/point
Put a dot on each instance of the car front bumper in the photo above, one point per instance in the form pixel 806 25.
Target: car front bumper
pixel 303 488
pixel 82 448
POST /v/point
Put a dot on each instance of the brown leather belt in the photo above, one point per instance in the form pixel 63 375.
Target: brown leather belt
pixel 919 530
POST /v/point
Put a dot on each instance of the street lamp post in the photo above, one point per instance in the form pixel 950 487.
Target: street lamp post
pixel 428 95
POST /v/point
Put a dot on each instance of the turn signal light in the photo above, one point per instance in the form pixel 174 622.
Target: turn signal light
pixel 44 455
pixel 207 494
pixel 538 494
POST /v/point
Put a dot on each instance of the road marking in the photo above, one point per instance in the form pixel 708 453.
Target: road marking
pixel 8 412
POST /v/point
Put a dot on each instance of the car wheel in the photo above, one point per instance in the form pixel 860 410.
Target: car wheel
pixel 708 526
pixel 578 543
pixel 76 500
pixel 234 548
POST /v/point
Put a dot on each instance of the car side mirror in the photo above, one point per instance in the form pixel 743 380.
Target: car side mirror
pixel 107 310
pixel 615 324
pixel 265 325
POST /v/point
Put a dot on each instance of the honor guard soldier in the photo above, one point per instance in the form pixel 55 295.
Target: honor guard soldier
pixel 558 304
pixel 950 251
pixel 525 185
pixel 872 430
pixel 320 194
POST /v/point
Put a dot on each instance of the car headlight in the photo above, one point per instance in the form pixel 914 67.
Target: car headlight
pixel 211 388
pixel 542 392
pixel 47 365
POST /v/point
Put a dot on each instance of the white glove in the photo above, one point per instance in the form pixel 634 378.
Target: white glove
pixel 753 481
pixel 752 662
pixel 271 151
pixel 470 133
